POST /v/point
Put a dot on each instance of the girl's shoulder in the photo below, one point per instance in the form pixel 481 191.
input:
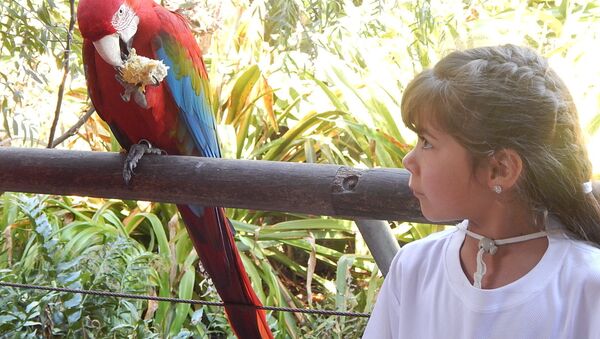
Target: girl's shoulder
pixel 434 239
pixel 438 236
pixel 431 246
pixel 581 264
pixel 585 254
pixel 579 257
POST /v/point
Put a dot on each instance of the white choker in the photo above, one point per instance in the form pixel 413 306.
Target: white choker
pixel 491 246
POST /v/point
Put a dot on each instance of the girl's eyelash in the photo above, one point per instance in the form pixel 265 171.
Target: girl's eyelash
pixel 424 142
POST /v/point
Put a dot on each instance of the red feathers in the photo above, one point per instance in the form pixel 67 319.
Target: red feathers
pixel 176 116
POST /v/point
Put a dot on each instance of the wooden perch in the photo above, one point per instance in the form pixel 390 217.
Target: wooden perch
pixel 315 189
pixel 339 191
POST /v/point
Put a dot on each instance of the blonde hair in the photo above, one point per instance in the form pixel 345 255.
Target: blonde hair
pixel 507 97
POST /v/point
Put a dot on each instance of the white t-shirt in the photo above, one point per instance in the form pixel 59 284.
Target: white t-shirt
pixel 427 295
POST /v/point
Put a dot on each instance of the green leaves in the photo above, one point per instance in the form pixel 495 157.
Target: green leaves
pixel 303 81
pixel 77 249
pixel 157 229
pixel 186 288
pixel 241 92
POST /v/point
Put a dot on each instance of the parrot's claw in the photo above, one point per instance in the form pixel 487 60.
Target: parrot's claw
pixel 119 76
pixel 140 98
pixel 133 89
pixel 129 88
pixel 136 152
pixel 126 96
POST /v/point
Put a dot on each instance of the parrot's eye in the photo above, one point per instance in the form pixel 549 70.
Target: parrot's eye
pixel 120 13
pixel 122 17
pixel 125 23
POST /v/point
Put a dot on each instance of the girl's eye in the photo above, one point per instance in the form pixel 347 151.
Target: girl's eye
pixel 424 142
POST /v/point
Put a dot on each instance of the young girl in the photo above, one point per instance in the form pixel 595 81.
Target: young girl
pixel 500 147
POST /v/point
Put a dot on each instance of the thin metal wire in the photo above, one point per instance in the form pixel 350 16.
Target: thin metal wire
pixel 183 301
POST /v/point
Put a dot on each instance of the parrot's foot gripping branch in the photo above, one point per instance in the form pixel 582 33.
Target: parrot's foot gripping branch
pixel 136 152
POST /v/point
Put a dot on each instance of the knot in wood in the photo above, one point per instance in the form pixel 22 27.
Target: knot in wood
pixel 346 180
pixel 350 182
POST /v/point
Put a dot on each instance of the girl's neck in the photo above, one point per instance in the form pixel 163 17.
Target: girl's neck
pixel 512 261
pixel 500 222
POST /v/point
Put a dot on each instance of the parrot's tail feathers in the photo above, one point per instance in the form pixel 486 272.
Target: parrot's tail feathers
pixel 212 235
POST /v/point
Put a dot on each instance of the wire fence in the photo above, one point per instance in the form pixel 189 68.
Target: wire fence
pixel 182 301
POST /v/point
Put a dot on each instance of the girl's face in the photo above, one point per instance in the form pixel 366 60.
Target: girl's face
pixel 443 177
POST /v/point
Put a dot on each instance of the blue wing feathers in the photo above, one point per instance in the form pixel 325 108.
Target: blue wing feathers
pixel 194 108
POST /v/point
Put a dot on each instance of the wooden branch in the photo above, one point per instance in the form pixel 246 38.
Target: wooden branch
pixel 259 185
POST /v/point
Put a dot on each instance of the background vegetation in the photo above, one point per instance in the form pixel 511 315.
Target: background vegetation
pixel 299 80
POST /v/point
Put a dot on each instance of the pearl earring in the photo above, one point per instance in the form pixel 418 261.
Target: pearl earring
pixel 497 189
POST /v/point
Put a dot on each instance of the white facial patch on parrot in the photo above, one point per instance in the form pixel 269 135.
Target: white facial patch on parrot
pixel 125 23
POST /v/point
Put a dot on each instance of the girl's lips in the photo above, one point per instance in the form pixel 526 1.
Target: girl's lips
pixel 416 193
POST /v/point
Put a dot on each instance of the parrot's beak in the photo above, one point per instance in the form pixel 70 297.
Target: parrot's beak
pixel 109 49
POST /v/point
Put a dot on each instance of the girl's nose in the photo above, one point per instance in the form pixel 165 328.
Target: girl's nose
pixel 409 161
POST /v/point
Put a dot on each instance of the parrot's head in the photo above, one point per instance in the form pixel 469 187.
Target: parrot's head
pixel 110 25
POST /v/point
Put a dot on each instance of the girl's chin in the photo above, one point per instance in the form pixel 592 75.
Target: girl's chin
pixel 436 217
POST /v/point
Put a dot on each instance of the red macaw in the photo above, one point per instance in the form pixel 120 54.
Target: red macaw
pixel 174 115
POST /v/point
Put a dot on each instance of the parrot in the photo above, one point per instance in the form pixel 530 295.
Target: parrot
pixel 175 116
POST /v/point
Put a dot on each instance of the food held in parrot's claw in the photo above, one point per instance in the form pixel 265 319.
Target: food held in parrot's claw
pixel 141 71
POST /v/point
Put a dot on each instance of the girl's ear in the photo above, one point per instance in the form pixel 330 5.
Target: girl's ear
pixel 506 166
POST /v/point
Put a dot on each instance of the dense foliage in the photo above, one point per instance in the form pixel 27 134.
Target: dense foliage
pixel 304 81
